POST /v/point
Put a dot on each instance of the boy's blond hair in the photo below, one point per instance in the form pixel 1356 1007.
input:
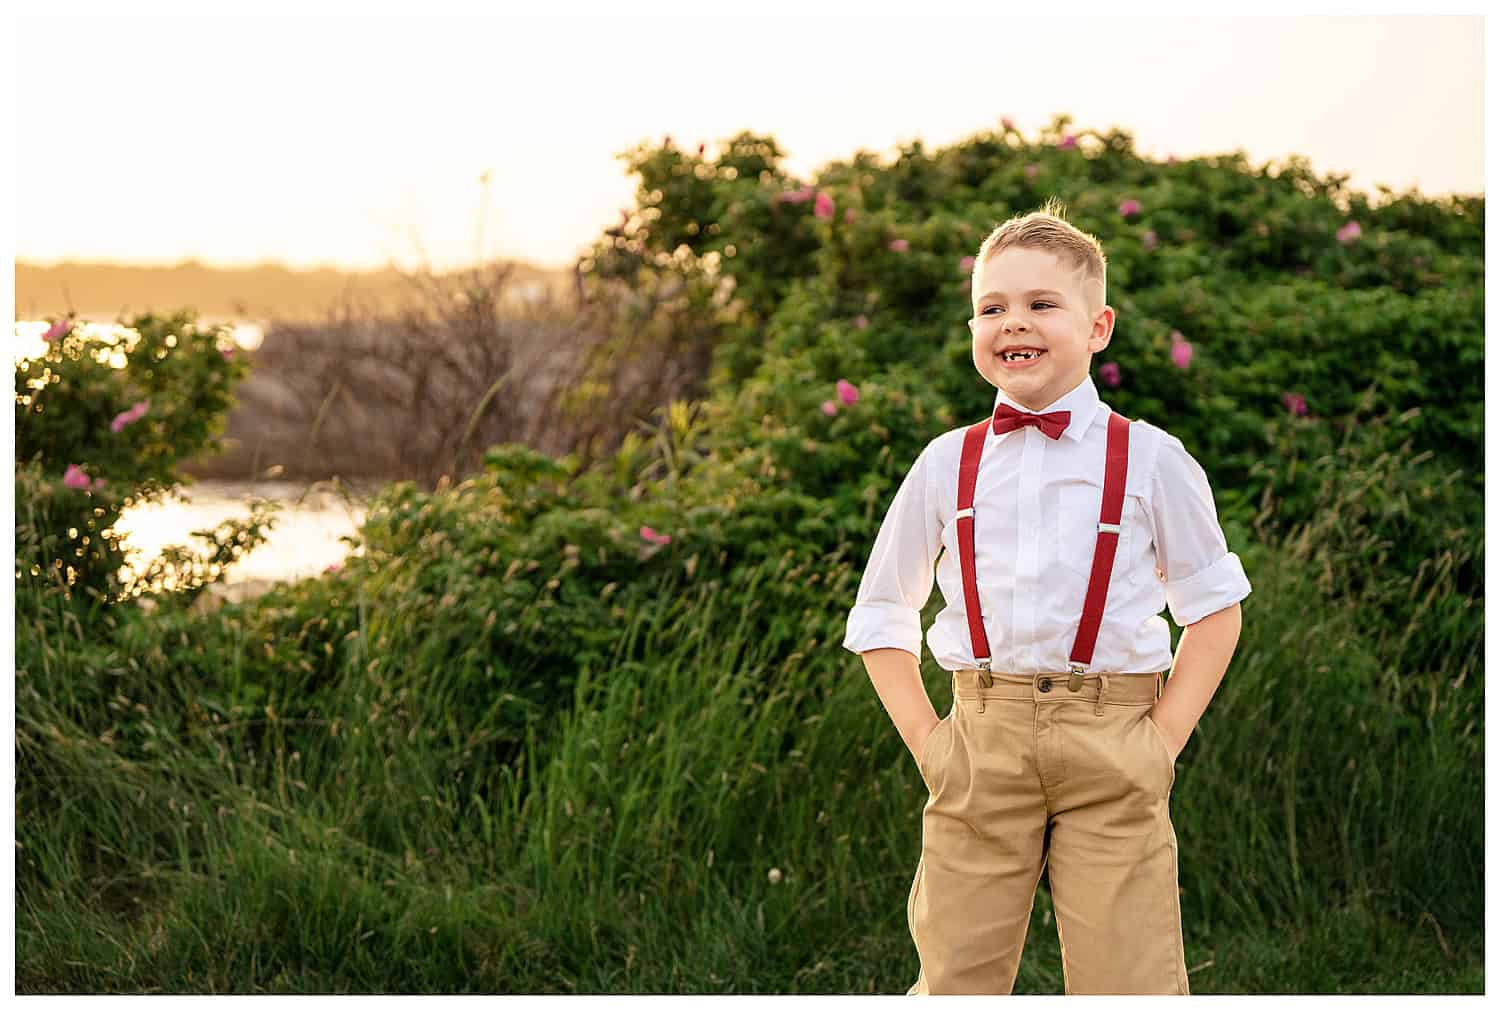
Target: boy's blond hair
pixel 1046 229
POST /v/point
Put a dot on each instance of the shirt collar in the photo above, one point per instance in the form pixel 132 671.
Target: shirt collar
pixel 1082 403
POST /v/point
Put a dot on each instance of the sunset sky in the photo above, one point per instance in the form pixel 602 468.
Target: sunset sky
pixel 356 141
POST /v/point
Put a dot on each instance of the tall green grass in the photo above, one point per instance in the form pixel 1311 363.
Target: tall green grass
pixel 724 815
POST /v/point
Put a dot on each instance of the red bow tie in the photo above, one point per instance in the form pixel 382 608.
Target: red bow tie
pixel 1052 423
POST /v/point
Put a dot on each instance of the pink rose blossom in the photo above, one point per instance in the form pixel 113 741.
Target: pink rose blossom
pixel 1149 239
pixel 58 329
pixel 1129 207
pixel 130 416
pixel 850 214
pixel 966 265
pixel 655 538
pixel 1295 403
pixel 823 206
pixel 830 408
pixel 861 321
pixel 1110 373
pixel 335 567
pixel 848 392
pixel 795 196
pixel 1182 351
pixel 1171 159
pixel 1032 170
pixel 227 352
pixel 900 245
pixel 1068 141
pixel 1348 233
pixel 76 477
pixel 1006 122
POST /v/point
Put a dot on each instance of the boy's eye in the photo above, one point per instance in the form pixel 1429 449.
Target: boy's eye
pixel 1034 305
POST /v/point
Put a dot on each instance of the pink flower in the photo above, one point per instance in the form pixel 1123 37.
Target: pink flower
pixel 1149 239
pixel 76 477
pixel 795 196
pixel 1295 403
pixel 848 392
pixel 1006 122
pixel 58 329
pixel 900 245
pixel 830 408
pixel 700 150
pixel 1182 351
pixel 823 206
pixel 850 214
pixel 335 567
pixel 1110 373
pixel 861 321
pixel 1032 170
pixel 1171 159
pixel 1129 207
pixel 966 265
pixel 1068 140
pixel 227 352
pixel 130 416
pixel 655 538
pixel 1348 233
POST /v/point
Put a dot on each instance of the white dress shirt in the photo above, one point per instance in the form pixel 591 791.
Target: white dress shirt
pixel 1036 510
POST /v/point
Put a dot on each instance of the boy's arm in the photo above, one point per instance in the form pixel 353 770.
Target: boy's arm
pixel 1205 583
pixel 1203 654
pixel 885 624
pixel 897 678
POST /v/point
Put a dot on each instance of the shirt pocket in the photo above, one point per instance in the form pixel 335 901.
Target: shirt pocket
pixel 1076 529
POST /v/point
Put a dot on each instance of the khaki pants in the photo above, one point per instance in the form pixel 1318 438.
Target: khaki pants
pixel 1025 774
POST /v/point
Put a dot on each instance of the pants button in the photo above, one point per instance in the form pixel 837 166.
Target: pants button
pixel 1045 684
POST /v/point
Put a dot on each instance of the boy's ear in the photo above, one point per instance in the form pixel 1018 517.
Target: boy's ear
pixel 1107 314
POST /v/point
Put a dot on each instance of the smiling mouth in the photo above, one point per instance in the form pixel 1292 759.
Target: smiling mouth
pixel 1014 362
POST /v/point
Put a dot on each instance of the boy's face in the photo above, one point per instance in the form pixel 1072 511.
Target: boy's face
pixel 1029 298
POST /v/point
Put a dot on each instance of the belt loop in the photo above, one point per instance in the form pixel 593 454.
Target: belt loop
pixel 1158 683
pixel 1103 687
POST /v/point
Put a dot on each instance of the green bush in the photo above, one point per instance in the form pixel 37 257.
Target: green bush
pixel 102 420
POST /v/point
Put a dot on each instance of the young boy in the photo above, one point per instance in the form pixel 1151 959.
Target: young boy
pixel 1063 530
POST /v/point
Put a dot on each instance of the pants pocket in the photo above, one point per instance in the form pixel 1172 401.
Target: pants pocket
pixel 1164 749
pixel 925 764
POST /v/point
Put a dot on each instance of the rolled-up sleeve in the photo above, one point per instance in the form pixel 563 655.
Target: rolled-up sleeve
pixel 898 577
pixel 1200 573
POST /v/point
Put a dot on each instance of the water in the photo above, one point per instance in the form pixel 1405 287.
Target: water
pixel 26 340
pixel 302 541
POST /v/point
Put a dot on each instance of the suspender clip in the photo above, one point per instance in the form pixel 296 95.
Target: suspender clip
pixel 1075 679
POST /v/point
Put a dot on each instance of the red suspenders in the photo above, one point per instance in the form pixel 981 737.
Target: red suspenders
pixel 1116 457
